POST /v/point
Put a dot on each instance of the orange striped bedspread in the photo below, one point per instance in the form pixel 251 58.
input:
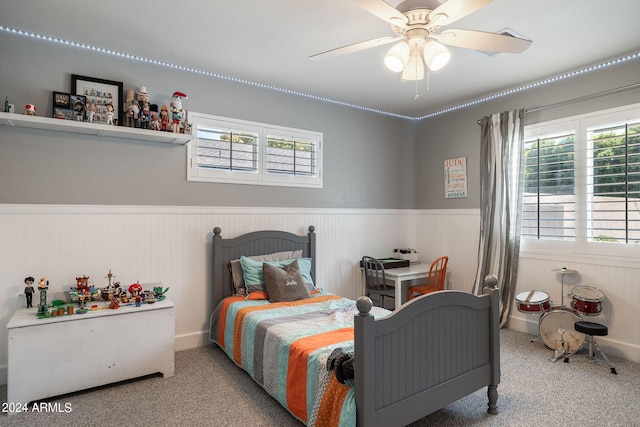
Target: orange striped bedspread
pixel 284 346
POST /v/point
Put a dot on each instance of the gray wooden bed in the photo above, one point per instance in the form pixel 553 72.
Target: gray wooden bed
pixel 431 352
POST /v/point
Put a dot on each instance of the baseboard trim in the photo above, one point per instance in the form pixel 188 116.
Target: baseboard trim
pixel 191 340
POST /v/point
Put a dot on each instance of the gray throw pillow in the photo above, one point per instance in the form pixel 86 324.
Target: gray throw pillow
pixel 284 283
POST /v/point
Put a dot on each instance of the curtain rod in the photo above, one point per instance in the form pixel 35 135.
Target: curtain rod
pixel 581 98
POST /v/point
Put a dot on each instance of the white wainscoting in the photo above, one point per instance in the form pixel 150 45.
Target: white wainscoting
pixel 172 245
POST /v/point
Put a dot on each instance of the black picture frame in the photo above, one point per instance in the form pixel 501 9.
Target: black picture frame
pixel 101 92
pixel 69 107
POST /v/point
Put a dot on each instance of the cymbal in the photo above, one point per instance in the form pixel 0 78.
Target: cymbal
pixel 564 270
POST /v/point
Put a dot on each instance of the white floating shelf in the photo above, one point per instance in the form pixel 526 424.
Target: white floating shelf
pixel 35 122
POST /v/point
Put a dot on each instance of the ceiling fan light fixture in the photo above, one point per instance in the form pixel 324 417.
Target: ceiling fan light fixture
pixel 436 55
pixel 414 70
pixel 397 57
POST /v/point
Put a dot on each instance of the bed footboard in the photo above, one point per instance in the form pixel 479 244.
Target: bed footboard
pixel 433 351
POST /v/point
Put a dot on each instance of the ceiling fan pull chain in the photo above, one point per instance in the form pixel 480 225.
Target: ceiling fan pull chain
pixel 415 98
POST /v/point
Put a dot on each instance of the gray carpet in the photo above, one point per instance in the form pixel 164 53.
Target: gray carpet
pixel 209 390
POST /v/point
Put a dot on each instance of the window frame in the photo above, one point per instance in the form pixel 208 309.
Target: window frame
pixel 261 176
pixel 581 247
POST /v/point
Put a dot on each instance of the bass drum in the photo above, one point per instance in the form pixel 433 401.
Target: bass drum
pixel 556 327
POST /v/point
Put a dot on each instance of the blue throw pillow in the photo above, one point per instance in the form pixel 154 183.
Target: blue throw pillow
pixel 254 279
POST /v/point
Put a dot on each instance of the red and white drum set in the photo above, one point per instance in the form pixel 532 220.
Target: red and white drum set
pixel 557 322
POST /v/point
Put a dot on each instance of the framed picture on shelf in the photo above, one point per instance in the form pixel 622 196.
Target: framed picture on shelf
pixel 99 93
pixel 69 107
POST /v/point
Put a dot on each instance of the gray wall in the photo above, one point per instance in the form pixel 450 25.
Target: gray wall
pixel 369 159
pixel 457 134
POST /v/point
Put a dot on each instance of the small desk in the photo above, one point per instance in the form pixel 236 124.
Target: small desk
pixel 399 275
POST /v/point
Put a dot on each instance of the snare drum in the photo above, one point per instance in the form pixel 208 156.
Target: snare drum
pixel 533 302
pixel 557 329
pixel 587 300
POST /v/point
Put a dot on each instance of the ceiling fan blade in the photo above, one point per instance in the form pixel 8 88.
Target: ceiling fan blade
pixel 384 11
pixel 355 47
pixel 452 10
pixel 480 40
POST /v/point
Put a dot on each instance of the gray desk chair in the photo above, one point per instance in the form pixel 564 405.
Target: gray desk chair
pixel 376 286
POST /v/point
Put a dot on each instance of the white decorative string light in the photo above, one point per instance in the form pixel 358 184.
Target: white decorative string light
pixel 197 71
pixel 320 98
pixel 532 85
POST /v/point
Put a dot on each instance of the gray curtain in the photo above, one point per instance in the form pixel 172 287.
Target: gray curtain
pixel 501 165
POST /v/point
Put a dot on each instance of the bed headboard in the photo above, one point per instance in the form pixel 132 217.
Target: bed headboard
pixel 255 243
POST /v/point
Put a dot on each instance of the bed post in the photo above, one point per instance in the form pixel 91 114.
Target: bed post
pixel 491 288
pixel 364 369
pixel 217 272
pixel 312 251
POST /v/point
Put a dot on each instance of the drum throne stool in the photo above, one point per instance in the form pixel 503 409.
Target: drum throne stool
pixel 590 329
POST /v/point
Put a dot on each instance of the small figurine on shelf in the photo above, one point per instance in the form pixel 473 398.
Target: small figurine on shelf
pixel 28 290
pixel 79 110
pixel 91 112
pixel 109 113
pixel 31 109
pixel 177 113
pixel 159 293
pixel 148 297
pixel 155 121
pixel 145 115
pixel 134 113
pixel 164 118
pixel 143 95
pixel 115 303
pixel 43 285
pixel 127 108
pixel 136 290
pixel 118 291
pixel 145 112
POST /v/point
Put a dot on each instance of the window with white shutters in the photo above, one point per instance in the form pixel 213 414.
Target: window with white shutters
pixel 228 150
pixel 582 184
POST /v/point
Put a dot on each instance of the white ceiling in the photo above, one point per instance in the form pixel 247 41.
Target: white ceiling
pixel 269 42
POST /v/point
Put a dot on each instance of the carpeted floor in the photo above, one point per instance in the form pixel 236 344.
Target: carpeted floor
pixel 209 390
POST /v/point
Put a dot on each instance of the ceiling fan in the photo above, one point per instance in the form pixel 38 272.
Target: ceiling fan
pixel 416 24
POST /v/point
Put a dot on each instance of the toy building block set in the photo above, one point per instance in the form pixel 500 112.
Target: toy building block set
pixel 84 297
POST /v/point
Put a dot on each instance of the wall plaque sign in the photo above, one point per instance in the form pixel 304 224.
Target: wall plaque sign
pixel 455 178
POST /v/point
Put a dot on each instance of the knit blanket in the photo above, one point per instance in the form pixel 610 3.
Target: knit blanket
pixel 300 352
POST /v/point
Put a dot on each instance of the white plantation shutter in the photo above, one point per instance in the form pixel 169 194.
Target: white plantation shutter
pixel 229 149
pixel 292 156
pixel 549 201
pixel 613 183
